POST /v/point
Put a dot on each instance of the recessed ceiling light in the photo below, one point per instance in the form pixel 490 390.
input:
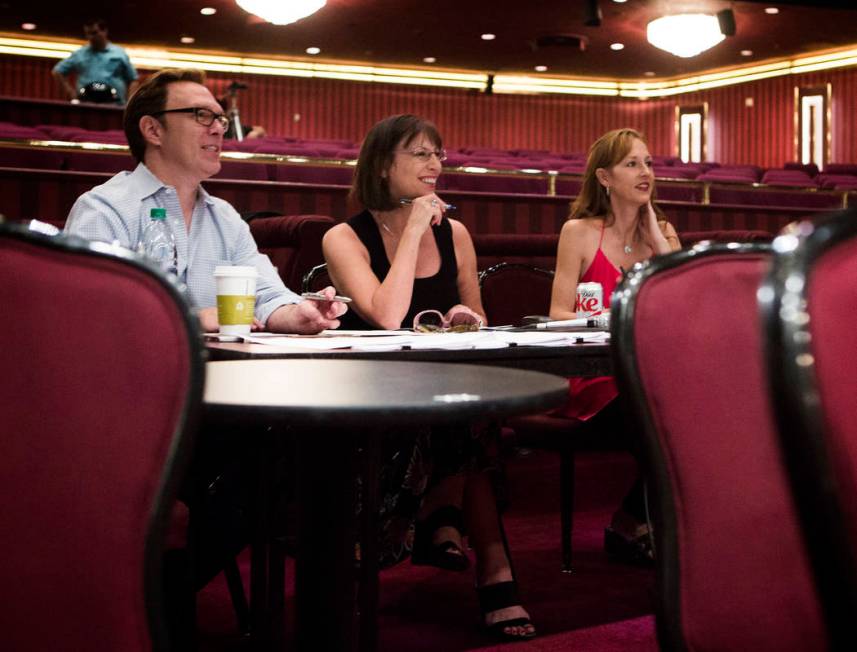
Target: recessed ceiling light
pixel 488 37
pixel 772 10
pixel 187 39
pixel 540 68
pixel 620 1
pixel 28 26
pixel 617 46
pixel 313 50
pixel 429 59
pixel 746 53
pixel 208 11
pixel 649 73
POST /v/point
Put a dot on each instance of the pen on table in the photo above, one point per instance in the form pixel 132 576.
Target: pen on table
pixel 407 202
pixel 318 296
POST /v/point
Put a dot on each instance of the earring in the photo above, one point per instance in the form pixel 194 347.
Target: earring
pixel 607 190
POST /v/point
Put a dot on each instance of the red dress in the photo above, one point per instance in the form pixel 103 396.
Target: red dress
pixel 588 396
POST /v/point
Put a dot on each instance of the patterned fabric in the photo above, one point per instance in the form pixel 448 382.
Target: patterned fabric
pixel 411 464
pixel 119 211
pixel 110 65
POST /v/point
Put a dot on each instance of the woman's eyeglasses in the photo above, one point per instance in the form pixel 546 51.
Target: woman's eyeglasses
pixel 432 321
pixel 205 117
pixel 424 155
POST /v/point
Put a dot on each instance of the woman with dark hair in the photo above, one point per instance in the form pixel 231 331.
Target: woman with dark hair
pixel 614 223
pixel 400 256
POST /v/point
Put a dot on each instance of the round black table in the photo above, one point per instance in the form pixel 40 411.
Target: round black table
pixel 335 405
pixel 589 359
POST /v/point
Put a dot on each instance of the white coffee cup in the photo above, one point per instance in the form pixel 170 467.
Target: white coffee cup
pixel 236 298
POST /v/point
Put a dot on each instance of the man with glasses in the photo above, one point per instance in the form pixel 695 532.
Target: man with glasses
pixel 175 131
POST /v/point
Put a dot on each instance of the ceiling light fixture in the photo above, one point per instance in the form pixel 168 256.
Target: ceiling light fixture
pixel 208 11
pixel 540 68
pixel 746 53
pixel 429 59
pixel 281 13
pixel 28 26
pixel 313 50
pixel 771 10
pixel 187 39
pixel 685 35
pixel 488 37
pixel 617 46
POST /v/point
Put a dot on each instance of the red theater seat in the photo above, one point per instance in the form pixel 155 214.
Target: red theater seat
pixel 87 492
pixel 812 378
pixel 733 573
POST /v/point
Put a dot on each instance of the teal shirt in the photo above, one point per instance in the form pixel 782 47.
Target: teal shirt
pixel 110 65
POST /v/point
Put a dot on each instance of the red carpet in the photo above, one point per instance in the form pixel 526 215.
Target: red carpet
pixel 603 606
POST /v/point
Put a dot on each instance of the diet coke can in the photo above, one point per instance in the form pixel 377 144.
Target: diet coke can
pixel 590 299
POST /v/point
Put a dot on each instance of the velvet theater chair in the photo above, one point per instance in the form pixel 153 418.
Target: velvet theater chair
pixel 292 242
pixel 732 570
pixel 810 309
pixel 100 385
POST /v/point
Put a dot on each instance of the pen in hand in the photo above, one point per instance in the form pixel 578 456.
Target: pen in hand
pixel 407 202
pixel 318 296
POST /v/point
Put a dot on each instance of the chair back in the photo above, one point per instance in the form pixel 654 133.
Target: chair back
pixel 510 291
pixel 100 382
pixel 810 309
pixel 732 570
pixel 292 242
pixel 316 279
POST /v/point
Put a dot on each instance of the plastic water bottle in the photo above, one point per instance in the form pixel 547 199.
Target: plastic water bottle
pixel 158 243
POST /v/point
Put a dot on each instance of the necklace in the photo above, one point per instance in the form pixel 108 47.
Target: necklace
pixel 385 227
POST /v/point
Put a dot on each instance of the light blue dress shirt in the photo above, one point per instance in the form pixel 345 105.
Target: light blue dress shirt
pixel 118 211
pixel 110 65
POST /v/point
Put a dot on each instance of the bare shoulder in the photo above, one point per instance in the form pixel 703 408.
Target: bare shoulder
pixel 458 229
pixel 582 229
pixel 341 237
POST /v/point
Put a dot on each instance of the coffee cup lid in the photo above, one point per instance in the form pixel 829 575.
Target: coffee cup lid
pixel 235 270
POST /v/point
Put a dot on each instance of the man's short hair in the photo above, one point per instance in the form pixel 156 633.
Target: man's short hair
pixel 100 23
pixel 149 98
pixel 370 187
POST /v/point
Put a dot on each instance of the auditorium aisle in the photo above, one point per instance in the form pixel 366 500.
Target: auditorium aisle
pixel 603 607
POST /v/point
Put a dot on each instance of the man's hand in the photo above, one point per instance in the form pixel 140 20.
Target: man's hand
pixel 309 316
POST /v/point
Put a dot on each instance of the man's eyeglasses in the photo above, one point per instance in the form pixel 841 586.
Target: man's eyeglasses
pixel 424 155
pixel 431 321
pixel 205 117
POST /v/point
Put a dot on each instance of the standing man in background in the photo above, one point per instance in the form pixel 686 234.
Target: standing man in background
pixel 99 66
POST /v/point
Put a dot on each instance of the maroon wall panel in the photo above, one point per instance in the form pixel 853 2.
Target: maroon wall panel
pixel 315 108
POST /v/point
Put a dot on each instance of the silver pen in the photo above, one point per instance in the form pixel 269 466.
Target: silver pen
pixel 407 202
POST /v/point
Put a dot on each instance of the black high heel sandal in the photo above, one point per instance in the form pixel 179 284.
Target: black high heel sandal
pixel 447 555
pixel 500 596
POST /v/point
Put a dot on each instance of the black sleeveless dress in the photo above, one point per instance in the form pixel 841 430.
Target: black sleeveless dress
pixel 438 292
pixel 412 462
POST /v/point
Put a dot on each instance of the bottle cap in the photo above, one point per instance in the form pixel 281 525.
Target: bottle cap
pixel 158 213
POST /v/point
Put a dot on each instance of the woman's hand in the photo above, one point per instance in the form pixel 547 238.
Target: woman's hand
pixel 656 239
pixel 425 211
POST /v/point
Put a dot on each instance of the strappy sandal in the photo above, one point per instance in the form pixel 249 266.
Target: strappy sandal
pixel 632 551
pixel 502 595
pixel 447 554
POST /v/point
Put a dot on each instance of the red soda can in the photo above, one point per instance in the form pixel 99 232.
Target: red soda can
pixel 590 299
